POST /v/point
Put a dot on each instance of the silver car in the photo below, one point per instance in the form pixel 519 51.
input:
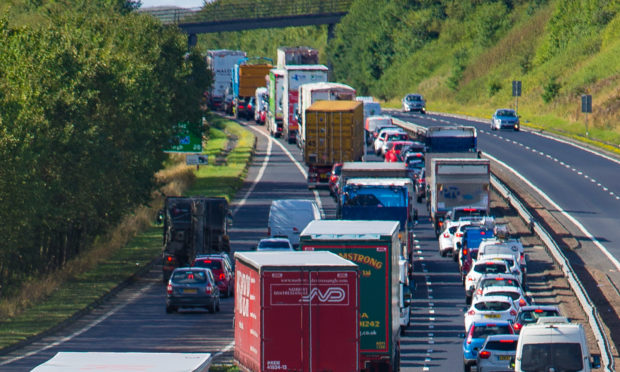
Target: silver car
pixel 192 287
pixel 414 102
pixel 496 353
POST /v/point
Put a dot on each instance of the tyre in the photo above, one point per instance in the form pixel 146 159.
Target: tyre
pixel 170 309
pixel 228 291
pixel 217 308
pixel 468 300
pixel 213 307
pixel 442 253
pixel 466 367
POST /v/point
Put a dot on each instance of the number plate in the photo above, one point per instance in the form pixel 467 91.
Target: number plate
pixel 190 290
pixel 504 357
pixel 494 316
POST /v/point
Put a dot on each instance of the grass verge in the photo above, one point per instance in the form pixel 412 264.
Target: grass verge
pixel 130 248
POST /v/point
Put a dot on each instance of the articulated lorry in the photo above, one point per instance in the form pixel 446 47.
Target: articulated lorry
pixel 296 311
pixel 275 112
pixel 334 134
pixel 299 55
pixel 294 77
pixel 193 226
pixel 248 74
pixel 448 142
pixel 457 183
pixel 312 92
pixel 374 247
pixel 221 63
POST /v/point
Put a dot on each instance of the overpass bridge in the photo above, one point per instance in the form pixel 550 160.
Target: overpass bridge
pixel 222 17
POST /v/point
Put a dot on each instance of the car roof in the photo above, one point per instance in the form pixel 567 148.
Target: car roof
pixel 499 288
pixel 193 268
pixel 274 240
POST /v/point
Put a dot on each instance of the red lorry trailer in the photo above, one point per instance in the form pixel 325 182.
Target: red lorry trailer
pixel 296 311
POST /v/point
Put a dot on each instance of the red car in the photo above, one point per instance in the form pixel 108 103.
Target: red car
pixel 334 177
pixel 222 272
pixel 393 150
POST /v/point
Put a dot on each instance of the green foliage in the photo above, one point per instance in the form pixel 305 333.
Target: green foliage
pixel 88 97
pixel 458 66
pixel 551 90
pixel 494 87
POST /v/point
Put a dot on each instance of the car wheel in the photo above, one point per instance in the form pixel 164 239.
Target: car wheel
pixel 217 308
pixel 442 253
pixel 455 257
pixel 468 300
pixel 466 367
pixel 213 307
pixel 170 309
pixel 229 291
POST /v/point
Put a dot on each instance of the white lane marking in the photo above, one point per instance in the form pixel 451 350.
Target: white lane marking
pixel 86 328
pixel 600 246
pixel 593 152
pixel 317 198
pixel 259 176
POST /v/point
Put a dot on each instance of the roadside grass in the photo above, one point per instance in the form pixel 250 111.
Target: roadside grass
pixel 49 301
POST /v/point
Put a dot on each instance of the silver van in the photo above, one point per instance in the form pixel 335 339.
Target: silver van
pixel 288 218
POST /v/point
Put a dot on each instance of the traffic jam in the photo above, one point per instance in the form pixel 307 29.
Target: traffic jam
pixel 317 285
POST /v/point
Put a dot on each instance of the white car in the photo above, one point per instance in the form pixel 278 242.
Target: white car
pixel 388 134
pixel 495 280
pixel 479 269
pixel 511 246
pixel 515 293
pixel 496 353
pixel 414 102
pixel 274 244
pixel 446 238
pixel 491 308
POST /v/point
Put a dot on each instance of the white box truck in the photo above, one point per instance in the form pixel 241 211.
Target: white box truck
pixel 221 62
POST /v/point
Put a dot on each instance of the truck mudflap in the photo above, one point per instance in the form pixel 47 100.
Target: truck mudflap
pixel 380 363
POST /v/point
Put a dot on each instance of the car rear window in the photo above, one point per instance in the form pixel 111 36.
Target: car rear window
pixel 490 268
pixel 273 245
pixel 502 345
pixel 492 306
pixel 211 264
pixel 498 283
pixel 482 331
pixel 189 277
pixel 513 295
pixel 533 315
pixel 556 356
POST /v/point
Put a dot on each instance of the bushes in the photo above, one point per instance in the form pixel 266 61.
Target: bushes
pixel 88 96
pixel 551 90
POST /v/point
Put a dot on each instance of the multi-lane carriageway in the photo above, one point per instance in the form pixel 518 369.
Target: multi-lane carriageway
pixel 135 320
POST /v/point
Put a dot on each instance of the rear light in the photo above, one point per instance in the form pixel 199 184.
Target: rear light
pixel 169 289
pixel 482 233
pixel 517 326
pixel 471 312
pixel 506 341
pixel 222 276
pixel 464 252
pixel 470 279
pixel 249 107
pixel 446 235
pixel 459 235
pixel 479 292
pixel 513 312
pixel 169 259
pixel 333 179
pixel 499 278
pixel 522 302
pixel 208 289
pixel 484 354
pixel 538 311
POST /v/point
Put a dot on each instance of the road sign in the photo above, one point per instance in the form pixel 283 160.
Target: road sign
pixel 195 159
pixel 516 88
pixel 586 103
pixel 187 138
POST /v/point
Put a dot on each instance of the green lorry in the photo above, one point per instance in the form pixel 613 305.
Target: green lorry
pixel 374 246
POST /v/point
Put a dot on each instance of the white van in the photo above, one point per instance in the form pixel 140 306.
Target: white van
pixel 405 294
pixel 554 345
pixel 288 218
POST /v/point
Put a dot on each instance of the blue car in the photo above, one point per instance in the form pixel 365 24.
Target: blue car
pixel 505 118
pixel 477 334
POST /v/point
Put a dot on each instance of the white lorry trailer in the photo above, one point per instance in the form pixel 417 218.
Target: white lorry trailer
pixel 221 62
pixel 312 92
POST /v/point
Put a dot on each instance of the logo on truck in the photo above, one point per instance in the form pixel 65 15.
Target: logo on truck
pixel 333 294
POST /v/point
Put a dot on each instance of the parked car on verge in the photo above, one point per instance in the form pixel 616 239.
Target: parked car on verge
pixel 477 333
pixel 531 314
pixel 274 244
pixel 496 353
pixel 505 118
pixel 192 287
pixel 222 271
pixel 414 102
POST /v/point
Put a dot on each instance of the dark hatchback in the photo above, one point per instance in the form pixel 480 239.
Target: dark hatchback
pixel 191 287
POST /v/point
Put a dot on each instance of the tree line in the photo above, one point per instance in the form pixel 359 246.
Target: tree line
pixel 88 95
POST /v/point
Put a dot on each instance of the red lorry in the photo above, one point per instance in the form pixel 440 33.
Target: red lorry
pixel 296 311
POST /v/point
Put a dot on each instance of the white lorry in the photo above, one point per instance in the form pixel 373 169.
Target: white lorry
pixel 294 76
pixel 312 92
pixel 275 114
pixel 221 62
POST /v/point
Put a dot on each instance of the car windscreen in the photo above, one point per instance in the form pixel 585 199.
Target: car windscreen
pixel 482 331
pixel 490 268
pixel 532 316
pixel 189 277
pixel 492 306
pixel 507 113
pixel 565 357
pixel 211 264
pixel 501 345
pixel 273 245
pixel 414 98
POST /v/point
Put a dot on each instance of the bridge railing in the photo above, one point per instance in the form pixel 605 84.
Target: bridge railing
pixel 217 11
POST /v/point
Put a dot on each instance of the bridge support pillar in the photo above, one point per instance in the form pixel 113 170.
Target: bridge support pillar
pixel 330 35
pixel 192 39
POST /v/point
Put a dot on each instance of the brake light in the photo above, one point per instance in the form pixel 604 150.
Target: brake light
pixel 482 233
pixel 499 278
pixel 169 289
pixel 506 341
pixel 484 354
pixel 250 107
pixel 517 326
pixel 446 235
pixel 333 178
pixel 538 311
pixel 479 292
pixel 471 312
pixel 469 210
pixel 208 289
pixel 464 252
pixel 169 259
pixel 522 302
pixel 459 235
pixel 222 276
pixel 513 312
pixel 470 279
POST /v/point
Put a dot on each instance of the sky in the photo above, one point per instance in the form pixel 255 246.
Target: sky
pixel 179 3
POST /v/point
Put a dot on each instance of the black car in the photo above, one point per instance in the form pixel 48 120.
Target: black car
pixel 245 108
pixel 228 105
pixel 192 287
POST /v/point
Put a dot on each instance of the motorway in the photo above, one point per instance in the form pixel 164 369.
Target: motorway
pixel 135 320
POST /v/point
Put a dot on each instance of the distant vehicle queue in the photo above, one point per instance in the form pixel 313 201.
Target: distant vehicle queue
pixel 365 282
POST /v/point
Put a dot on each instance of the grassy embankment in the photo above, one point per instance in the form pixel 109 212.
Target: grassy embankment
pixel 47 302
